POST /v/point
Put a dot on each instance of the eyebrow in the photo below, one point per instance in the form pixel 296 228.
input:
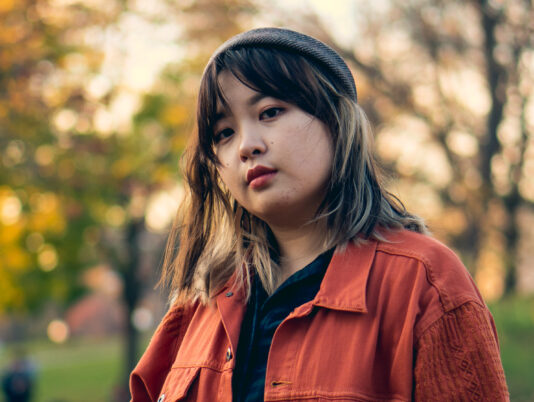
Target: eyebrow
pixel 254 99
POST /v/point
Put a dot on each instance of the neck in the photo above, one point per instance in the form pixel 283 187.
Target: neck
pixel 299 246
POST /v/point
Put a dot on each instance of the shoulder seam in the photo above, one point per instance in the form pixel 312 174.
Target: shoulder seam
pixel 445 300
pixel 431 324
pixel 401 253
pixel 418 257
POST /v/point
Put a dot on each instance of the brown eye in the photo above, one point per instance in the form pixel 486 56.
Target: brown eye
pixel 223 134
pixel 271 113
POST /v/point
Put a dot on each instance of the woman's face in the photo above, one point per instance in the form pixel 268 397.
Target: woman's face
pixel 274 158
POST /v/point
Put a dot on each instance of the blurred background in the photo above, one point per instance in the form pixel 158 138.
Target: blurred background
pixel 97 100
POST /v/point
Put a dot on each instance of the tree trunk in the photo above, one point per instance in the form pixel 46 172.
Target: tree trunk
pixel 511 232
pixel 131 295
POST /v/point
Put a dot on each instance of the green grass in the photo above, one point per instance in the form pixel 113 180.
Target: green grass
pixel 86 370
pixel 514 318
pixel 82 370
pixel 79 372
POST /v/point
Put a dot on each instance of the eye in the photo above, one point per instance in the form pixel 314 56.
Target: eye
pixel 223 134
pixel 271 113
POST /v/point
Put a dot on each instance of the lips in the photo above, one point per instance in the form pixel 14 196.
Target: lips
pixel 258 172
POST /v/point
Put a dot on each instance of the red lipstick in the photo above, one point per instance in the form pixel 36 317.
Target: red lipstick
pixel 259 176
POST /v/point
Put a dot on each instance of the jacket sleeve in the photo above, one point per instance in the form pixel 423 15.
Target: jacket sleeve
pixel 457 358
pixel 150 373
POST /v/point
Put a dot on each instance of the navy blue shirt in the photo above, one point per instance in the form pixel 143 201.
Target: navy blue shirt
pixel 263 315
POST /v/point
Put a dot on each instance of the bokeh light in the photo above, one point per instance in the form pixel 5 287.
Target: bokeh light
pixel 142 318
pixel 58 331
pixel 34 241
pixel 115 215
pixel 162 207
pixel 11 208
pixel 47 258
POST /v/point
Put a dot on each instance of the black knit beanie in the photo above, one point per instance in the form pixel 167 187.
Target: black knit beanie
pixel 312 49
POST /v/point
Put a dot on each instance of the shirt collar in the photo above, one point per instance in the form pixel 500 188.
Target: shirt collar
pixel 345 282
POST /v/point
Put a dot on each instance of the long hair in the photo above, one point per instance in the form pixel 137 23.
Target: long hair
pixel 214 237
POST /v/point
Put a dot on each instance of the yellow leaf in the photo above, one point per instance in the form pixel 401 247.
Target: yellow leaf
pixel 121 168
pixel 174 115
pixel 47 222
pixel 6 5
pixel 178 142
pixel 10 234
pixel 161 174
pixel 16 259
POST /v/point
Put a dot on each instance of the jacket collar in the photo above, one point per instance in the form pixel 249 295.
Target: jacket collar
pixel 345 282
pixel 344 286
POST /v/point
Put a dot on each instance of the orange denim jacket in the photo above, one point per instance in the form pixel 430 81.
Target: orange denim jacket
pixel 393 321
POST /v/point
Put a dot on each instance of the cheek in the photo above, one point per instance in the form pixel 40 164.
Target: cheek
pixel 313 152
pixel 224 155
pixel 229 178
pixel 222 171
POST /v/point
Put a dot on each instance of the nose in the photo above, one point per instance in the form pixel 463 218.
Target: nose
pixel 252 143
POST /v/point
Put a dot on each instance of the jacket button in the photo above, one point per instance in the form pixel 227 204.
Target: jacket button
pixel 161 398
pixel 228 354
pixel 229 294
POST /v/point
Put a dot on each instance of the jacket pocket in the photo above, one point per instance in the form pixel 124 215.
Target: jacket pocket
pixel 178 384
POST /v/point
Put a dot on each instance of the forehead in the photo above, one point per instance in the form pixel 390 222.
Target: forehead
pixel 232 92
pixel 229 88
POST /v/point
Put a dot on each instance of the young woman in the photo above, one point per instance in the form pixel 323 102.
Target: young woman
pixel 295 275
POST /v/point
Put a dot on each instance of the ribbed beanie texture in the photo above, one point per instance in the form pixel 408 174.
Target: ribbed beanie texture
pixel 292 41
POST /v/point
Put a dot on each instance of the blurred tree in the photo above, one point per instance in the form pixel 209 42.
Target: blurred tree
pixel 89 145
pixel 73 188
pixel 449 85
pixel 42 220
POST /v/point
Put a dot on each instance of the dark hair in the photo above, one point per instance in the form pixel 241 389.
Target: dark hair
pixel 218 235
